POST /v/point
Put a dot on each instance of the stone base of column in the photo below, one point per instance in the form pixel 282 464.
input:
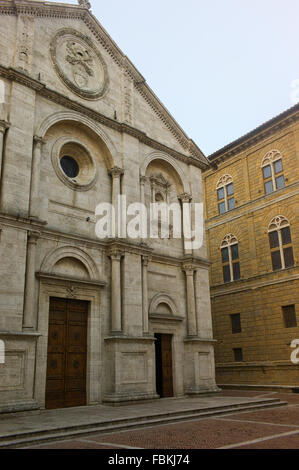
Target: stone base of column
pixel 130 369
pixel 199 366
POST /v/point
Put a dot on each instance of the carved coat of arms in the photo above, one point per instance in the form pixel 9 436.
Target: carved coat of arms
pixel 79 63
pixel 82 63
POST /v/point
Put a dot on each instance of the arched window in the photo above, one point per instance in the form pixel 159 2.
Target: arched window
pixel 280 243
pixel 230 258
pixel 225 194
pixel 273 171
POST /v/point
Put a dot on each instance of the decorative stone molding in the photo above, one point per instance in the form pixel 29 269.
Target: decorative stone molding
pixel 278 222
pixel 73 147
pixel 116 172
pixel 86 112
pixel 228 240
pixel 77 12
pixel 3 126
pixel 54 256
pixel 84 4
pixel 24 48
pixel 79 64
pixel 185 198
pixel 146 260
pixel 271 157
pixel 223 181
pixel 165 299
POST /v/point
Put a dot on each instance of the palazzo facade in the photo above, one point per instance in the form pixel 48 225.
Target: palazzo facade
pixel 252 208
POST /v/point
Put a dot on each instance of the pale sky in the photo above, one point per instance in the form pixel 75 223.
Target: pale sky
pixel 221 67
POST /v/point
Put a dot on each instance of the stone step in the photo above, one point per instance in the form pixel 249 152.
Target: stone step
pixel 39 436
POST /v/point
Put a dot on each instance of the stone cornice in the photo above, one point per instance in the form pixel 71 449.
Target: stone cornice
pixel 254 282
pixel 58 98
pixel 257 135
pixel 56 10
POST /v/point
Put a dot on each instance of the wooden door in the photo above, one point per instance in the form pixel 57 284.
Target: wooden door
pixel 166 346
pixel 164 377
pixel 67 353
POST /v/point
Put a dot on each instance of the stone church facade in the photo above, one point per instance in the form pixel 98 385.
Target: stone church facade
pixel 85 320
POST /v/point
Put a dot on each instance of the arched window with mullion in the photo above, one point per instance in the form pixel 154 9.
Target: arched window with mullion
pixel 230 258
pixel 280 240
pixel 273 171
pixel 225 194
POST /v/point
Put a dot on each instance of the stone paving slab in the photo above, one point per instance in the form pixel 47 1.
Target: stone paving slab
pixel 53 419
pixel 203 434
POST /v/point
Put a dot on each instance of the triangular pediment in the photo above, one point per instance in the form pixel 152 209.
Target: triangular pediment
pixel 82 13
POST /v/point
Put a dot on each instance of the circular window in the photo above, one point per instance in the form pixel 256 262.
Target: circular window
pixel 69 166
pixel 74 164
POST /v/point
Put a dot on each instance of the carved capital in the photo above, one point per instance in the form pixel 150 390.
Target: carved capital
pixel 38 141
pixel 185 198
pixel 189 269
pixel 143 180
pixel 115 254
pixel 3 126
pixel 146 259
pixel 116 172
pixel 33 236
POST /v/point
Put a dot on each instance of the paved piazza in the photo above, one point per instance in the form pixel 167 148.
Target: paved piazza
pixel 276 428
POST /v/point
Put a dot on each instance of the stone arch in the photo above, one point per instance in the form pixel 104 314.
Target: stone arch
pixel 61 116
pixel 224 181
pixel 162 298
pixel 271 157
pixel 57 254
pixel 278 222
pixel 171 161
pixel 228 240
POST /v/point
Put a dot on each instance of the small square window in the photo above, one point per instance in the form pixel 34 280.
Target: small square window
pixel 231 203
pixel 236 323
pixel 278 166
pixel 230 189
pixel 225 255
pixel 267 172
pixel 222 208
pixel 279 182
pixel 269 187
pixel 226 273
pixel 289 316
pixel 238 354
pixel 274 240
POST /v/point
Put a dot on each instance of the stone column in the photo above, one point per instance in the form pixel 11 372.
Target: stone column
pixel 186 198
pixel 29 302
pixel 34 211
pixel 145 261
pixel 143 181
pixel 116 323
pixel 3 126
pixel 116 174
pixel 192 327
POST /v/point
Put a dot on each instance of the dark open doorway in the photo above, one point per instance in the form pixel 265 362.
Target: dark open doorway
pixel 164 377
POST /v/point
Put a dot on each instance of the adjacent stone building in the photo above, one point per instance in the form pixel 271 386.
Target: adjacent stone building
pixel 252 209
pixel 85 320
